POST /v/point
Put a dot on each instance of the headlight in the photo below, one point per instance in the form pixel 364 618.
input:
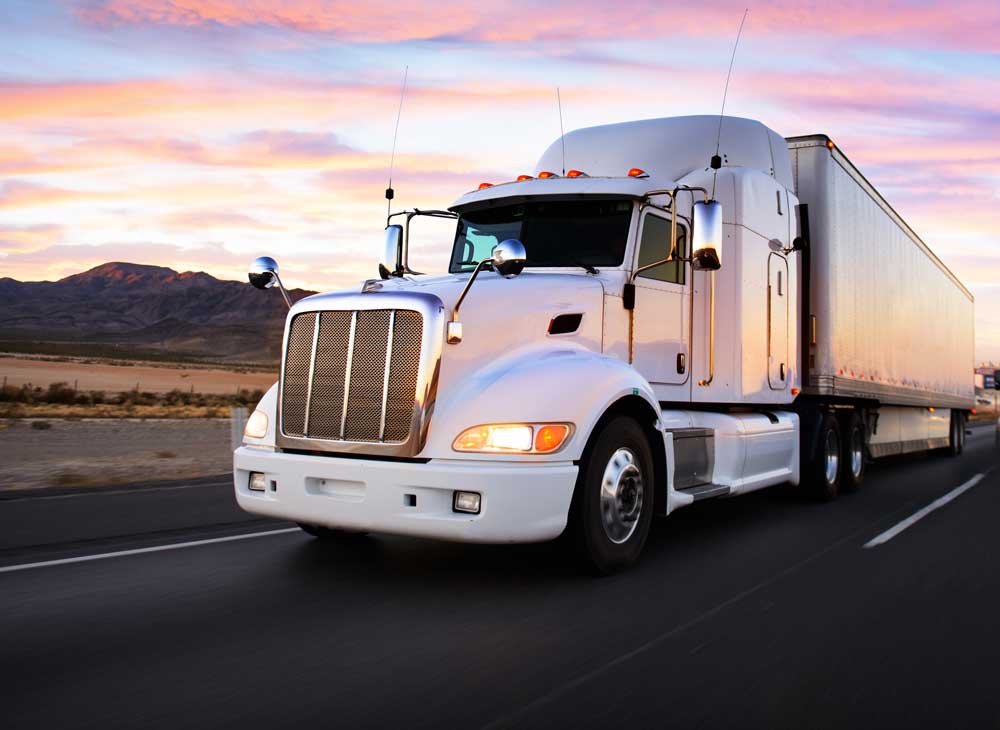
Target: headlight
pixel 514 438
pixel 256 427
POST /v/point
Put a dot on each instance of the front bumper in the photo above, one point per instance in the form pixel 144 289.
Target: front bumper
pixel 520 502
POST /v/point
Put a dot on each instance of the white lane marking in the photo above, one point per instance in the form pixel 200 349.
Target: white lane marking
pixel 919 515
pixel 140 551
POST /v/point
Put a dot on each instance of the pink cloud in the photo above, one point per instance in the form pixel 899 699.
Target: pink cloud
pixel 507 21
pixel 19 239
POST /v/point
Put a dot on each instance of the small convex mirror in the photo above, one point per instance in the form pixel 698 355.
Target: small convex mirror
pixel 392 254
pixel 706 236
pixel 509 257
pixel 263 272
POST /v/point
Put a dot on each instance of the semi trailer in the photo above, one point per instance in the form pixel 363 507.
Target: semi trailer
pixel 662 312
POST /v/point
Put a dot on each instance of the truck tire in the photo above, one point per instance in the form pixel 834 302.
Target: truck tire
pixel 329 533
pixel 852 458
pixel 956 434
pixel 613 503
pixel 823 474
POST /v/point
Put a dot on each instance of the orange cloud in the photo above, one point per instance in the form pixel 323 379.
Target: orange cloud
pixel 21 194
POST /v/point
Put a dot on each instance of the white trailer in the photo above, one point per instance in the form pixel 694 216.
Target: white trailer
pixel 636 325
pixel 886 321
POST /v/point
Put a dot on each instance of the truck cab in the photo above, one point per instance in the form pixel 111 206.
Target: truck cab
pixel 618 335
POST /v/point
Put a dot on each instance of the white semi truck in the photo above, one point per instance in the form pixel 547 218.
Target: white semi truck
pixel 649 319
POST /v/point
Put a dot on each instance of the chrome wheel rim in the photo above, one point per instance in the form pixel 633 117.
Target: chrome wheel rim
pixel 832 457
pixel 857 453
pixel 621 496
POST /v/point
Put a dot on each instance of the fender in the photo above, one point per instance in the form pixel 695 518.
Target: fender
pixel 539 384
pixel 269 405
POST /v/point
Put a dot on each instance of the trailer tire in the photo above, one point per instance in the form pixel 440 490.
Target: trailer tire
pixel 852 460
pixel 956 434
pixel 614 499
pixel 330 534
pixel 825 470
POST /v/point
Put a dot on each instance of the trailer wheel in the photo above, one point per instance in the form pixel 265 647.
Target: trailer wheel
pixel 613 503
pixel 329 533
pixel 956 435
pixel 827 464
pixel 853 453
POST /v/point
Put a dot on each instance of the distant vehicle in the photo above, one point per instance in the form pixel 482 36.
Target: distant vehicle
pixel 649 327
pixel 988 378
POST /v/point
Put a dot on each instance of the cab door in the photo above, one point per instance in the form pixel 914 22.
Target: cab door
pixel 662 309
pixel 777 322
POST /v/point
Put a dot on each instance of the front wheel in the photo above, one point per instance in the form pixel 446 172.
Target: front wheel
pixel 613 503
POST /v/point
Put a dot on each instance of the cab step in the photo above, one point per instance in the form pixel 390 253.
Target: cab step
pixel 706 491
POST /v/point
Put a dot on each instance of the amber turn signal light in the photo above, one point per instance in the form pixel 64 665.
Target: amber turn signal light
pixel 550 438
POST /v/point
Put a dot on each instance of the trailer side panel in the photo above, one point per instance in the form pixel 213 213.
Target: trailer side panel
pixel 892 322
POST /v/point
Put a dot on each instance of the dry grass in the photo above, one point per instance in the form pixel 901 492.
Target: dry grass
pixel 108 410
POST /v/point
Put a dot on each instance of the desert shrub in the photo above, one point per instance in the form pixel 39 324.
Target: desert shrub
pixel 60 393
pixel 24 394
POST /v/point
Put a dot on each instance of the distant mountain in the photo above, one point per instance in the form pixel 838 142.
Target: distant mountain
pixel 149 308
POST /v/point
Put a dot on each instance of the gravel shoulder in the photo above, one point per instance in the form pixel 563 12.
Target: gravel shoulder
pixel 90 452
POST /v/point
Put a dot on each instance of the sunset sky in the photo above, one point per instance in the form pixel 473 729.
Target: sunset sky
pixel 197 134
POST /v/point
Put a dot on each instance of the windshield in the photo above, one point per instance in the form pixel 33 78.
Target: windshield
pixel 554 233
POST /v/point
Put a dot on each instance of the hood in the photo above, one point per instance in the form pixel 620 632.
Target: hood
pixel 501 318
pixel 500 313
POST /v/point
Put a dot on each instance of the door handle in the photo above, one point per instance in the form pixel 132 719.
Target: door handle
pixel 681 363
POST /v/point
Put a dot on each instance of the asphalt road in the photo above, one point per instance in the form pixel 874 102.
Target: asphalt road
pixel 760 611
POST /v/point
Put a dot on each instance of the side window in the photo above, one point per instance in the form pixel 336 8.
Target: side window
pixel 654 245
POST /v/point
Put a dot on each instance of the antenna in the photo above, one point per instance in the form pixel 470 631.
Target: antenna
pixel 389 192
pixel 716 160
pixel 562 134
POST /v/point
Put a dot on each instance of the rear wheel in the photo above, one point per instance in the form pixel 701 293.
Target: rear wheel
pixel 823 473
pixel 853 453
pixel 956 438
pixel 613 503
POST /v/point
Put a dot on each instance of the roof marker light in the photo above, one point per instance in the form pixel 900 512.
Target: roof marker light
pixel 636 172
pixel 545 175
pixel 576 173
pixel 483 186
pixel 830 144
pixel 522 178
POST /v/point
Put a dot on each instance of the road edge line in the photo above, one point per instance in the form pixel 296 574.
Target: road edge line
pixel 140 551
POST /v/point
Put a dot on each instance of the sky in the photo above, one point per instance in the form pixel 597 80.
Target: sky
pixel 198 134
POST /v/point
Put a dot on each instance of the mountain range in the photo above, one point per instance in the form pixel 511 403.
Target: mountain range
pixel 135 308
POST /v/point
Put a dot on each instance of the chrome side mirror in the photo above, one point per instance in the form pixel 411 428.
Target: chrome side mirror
pixel 706 236
pixel 392 253
pixel 509 257
pixel 263 274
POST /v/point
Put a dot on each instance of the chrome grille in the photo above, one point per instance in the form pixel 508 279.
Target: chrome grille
pixel 352 375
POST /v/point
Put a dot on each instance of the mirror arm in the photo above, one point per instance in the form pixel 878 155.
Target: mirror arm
pixel 284 292
pixel 468 285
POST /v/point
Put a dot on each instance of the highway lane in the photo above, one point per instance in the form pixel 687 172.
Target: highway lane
pixel 764 610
